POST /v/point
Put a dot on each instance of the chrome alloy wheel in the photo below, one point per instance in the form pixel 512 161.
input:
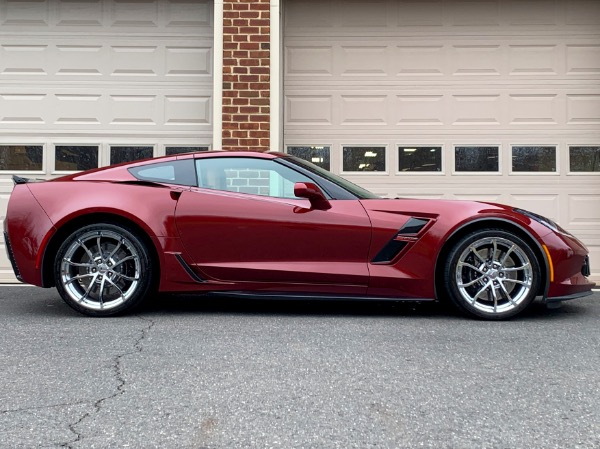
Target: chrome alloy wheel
pixel 494 275
pixel 100 270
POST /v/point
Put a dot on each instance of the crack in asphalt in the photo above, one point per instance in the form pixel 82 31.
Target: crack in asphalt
pixel 118 375
pixel 42 407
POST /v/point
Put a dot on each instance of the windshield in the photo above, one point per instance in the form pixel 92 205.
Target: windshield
pixel 357 191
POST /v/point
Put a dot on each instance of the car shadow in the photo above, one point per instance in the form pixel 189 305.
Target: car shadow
pixel 205 304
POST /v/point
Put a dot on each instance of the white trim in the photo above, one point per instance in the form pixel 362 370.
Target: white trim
pixel 275 78
pixel 218 76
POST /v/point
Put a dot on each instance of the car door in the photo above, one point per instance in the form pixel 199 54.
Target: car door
pixel 244 224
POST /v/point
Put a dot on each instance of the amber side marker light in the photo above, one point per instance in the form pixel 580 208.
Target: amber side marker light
pixel 549 262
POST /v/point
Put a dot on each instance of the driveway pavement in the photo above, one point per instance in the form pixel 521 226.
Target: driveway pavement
pixel 197 373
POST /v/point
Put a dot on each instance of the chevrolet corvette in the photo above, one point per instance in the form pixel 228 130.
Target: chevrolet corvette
pixel 269 225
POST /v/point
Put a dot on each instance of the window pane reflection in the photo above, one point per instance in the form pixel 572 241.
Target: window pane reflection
pixel 364 159
pixel 21 157
pixel 533 159
pixel 421 159
pixel 76 158
pixel 121 154
pixel 584 159
pixel 476 159
pixel 318 155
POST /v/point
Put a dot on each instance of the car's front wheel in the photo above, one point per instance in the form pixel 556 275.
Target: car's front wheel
pixel 492 274
pixel 103 269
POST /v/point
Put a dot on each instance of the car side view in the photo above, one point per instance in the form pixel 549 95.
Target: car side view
pixel 272 225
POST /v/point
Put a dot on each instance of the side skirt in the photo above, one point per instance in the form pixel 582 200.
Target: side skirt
pixel 309 296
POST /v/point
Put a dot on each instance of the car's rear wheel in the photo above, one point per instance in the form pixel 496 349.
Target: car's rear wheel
pixel 103 269
pixel 492 274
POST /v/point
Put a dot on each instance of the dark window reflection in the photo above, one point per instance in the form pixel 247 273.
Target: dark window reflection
pixel 364 159
pixel 422 159
pixel 76 158
pixel 127 154
pixel 318 155
pixel 534 159
pixel 21 157
pixel 170 151
pixel 584 159
pixel 476 159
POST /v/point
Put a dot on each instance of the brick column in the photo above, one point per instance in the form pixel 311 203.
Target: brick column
pixel 246 67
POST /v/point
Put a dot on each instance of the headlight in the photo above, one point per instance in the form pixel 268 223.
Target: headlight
pixel 545 221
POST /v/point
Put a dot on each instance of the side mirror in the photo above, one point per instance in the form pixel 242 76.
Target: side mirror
pixel 313 194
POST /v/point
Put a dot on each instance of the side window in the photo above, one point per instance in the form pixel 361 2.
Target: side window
pixel 247 175
pixel 174 172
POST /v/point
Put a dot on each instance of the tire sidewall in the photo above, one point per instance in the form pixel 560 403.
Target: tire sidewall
pixel 146 270
pixel 452 261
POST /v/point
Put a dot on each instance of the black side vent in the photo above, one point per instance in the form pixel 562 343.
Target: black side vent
pixel 389 251
pixel 585 269
pixel 413 226
pixel 406 234
pixel 11 257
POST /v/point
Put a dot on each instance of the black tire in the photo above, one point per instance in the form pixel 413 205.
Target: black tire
pixel 492 274
pixel 103 270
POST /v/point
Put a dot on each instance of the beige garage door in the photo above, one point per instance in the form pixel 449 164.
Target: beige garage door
pixel 87 83
pixel 487 100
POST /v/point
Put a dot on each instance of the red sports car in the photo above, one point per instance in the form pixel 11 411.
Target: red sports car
pixel 271 225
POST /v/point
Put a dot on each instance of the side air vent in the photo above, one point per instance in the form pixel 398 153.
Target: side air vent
pixel 406 234
pixel 11 257
pixel 413 226
pixel 389 251
pixel 585 269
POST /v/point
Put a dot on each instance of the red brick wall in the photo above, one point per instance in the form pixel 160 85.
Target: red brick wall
pixel 246 62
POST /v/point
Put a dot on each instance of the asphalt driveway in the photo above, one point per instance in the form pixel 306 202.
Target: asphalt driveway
pixel 188 372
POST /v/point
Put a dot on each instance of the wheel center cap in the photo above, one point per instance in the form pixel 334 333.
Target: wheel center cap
pixel 493 273
pixel 103 268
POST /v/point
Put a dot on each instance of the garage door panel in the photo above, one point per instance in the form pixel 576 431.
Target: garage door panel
pixel 102 73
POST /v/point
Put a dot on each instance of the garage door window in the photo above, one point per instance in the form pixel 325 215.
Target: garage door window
pixel 21 157
pixel 172 150
pixel 584 159
pixel 75 158
pixel 534 159
pixel 318 155
pixel 120 154
pixel 364 159
pixel 476 159
pixel 419 159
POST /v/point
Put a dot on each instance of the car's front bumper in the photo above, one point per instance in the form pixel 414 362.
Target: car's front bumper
pixel 568 268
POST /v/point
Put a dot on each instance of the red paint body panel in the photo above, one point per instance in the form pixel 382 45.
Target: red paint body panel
pixel 209 240
pixel 251 238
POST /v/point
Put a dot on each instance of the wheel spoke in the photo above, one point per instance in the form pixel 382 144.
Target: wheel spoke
pixel 522 267
pixel 125 259
pixel 495 245
pixel 89 289
pixel 474 281
pixel 473 267
pixel 99 245
pixel 115 249
pixel 129 278
pixel 116 286
pixel 495 298
pixel 516 281
pixel 101 295
pixel 474 251
pixel 75 264
pixel 79 276
pixel 507 295
pixel 510 250
pixel 89 253
pixel 484 288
